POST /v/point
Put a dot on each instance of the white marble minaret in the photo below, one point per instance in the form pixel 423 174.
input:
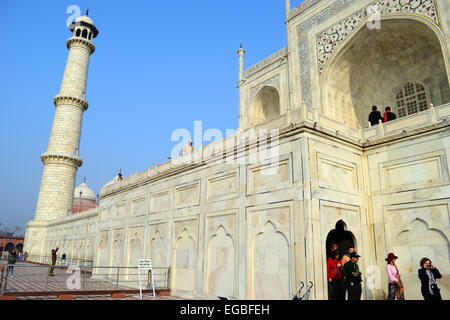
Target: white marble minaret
pixel 61 161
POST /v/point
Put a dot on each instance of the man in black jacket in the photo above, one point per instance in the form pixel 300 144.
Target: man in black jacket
pixel 375 116
pixel 12 258
pixel 428 275
pixel 389 115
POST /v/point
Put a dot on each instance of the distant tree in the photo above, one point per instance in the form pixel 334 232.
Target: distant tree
pixel 7 231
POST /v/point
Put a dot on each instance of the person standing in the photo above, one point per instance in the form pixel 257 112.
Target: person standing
pixel 346 256
pixel 395 285
pixel 53 261
pixel 375 116
pixel 428 275
pixel 12 258
pixel 63 259
pixel 352 277
pixel 389 115
pixel 334 266
pixel 25 256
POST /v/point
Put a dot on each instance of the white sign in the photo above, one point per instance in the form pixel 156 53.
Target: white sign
pixel 145 264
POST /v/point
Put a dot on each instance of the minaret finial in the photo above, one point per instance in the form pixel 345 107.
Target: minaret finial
pixel 241 45
pixel 87 11
pixel 84 180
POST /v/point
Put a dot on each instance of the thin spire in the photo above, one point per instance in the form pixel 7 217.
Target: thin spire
pixel 241 45
pixel 87 12
pixel 84 180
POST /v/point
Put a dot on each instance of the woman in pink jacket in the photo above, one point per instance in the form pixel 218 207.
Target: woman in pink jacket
pixel 395 283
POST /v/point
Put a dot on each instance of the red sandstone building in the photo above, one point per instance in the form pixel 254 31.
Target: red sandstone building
pixel 7 243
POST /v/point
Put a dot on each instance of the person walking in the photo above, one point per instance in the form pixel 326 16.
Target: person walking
pixel 53 261
pixel 375 116
pixel 12 258
pixel 334 266
pixel 428 274
pixel 395 285
pixel 352 277
pixel 63 259
pixel 389 115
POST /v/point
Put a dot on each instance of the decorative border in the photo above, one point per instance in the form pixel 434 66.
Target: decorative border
pixel 330 39
pixel 253 69
pixel 303 41
pixel 58 99
pixel 61 157
pixel 79 41
pixel 301 7
pixel 273 82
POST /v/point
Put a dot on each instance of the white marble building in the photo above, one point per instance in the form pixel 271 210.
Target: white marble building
pixel 226 224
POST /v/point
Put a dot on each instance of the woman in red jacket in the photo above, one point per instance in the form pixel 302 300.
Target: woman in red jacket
pixel 334 267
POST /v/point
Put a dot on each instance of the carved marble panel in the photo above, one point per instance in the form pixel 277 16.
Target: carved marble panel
pixel 187 195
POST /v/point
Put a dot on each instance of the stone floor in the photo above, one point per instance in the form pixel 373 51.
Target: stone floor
pixel 34 278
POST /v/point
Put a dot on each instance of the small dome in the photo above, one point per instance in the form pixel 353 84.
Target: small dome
pixel 86 192
pixel 85 19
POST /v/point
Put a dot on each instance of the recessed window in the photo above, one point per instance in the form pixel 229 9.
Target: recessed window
pixel 78 32
pixel 410 99
pixel 84 34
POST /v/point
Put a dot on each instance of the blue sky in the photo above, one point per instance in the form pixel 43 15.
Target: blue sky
pixel 158 66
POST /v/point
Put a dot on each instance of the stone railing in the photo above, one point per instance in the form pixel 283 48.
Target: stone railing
pixel 428 117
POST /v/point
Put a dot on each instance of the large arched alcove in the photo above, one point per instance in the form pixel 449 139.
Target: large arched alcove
pixel 373 66
pixel 264 106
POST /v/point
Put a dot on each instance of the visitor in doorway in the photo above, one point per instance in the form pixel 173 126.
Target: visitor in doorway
pixel 346 256
pixel 395 285
pixel 333 249
pixel 375 116
pixel 63 259
pixel 12 258
pixel 389 115
pixel 54 251
pixel 428 274
pixel 352 277
pixel 334 267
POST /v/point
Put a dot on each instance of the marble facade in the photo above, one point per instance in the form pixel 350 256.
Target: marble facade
pixel 228 224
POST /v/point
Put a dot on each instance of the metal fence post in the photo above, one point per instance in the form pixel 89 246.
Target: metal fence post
pixel 117 282
pixel 48 274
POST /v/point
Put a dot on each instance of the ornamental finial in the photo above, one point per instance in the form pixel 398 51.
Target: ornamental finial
pixel 87 12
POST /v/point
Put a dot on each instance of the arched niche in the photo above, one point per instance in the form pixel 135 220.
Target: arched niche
pixel 342 237
pixel 371 65
pixel 184 263
pixel 265 106
pixel 415 243
pixel 270 265
pixel 221 264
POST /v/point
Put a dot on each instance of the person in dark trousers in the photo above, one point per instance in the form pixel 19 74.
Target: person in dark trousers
pixel 389 115
pixel 54 251
pixel 428 275
pixel 334 275
pixel 375 116
pixel 352 277
pixel 12 258
pixel 395 285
